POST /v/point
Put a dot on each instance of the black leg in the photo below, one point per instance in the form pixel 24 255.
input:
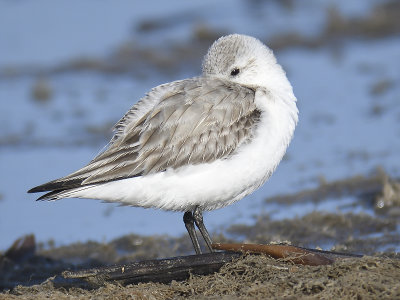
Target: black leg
pixel 198 219
pixel 189 224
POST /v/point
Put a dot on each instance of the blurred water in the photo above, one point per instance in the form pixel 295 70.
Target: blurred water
pixel 345 128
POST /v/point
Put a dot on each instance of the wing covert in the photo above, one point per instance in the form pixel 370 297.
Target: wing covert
pixel 192 121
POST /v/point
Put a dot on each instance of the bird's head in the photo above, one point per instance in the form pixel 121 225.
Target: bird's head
pixel 246 61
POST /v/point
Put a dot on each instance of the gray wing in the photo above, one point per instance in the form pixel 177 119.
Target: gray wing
pixel 185 122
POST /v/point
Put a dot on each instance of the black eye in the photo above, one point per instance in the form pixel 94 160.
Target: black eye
pixel 235 71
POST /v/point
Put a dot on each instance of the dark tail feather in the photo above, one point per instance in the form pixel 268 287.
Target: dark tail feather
pixel 57 186
pixel 50 196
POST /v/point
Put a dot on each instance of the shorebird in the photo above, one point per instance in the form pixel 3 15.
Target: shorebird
pixel 195 144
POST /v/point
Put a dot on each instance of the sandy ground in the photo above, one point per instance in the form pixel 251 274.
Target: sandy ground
pixel 252 277
pixel 27 269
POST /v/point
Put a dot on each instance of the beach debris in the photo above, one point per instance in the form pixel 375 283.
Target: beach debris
pixel 22 248
pixel 182 267
pixel 296 255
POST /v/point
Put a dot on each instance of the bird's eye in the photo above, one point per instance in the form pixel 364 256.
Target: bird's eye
pixel 235 71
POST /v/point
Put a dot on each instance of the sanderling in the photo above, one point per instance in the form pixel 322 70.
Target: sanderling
pixel 195 144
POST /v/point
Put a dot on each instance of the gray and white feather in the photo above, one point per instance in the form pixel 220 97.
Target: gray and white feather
pixel 203 142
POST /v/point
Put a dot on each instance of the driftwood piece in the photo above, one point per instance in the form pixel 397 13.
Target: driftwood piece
pixel 180 268
pixel 297 255
pixel 159 270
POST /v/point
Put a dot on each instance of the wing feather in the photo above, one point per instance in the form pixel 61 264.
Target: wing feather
pixel 191 121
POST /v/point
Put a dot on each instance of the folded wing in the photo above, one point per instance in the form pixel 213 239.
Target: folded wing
pixel 192 121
